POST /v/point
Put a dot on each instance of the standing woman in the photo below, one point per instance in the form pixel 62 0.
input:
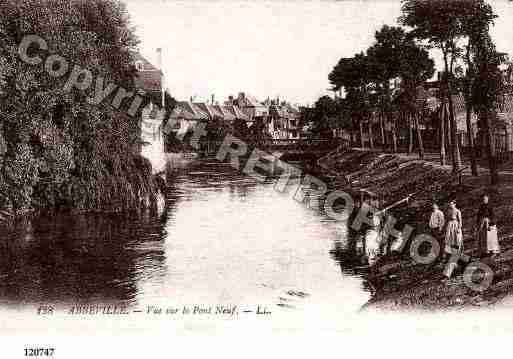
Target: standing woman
pixel 484 218
pixel 453 232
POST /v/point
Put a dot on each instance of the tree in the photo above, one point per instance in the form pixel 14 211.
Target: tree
pixel 439 22
pixel 385 55
pixel 395 55
pixel 63 151
pixel 325 109
pixel 353 74
pixel 415 68
pixel 475 16
pixel 486 89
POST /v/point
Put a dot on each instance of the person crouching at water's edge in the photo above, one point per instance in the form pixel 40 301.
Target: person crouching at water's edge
pixel 372 240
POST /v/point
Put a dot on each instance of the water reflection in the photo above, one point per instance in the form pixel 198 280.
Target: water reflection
pixel 72 258
pixel 224 238
pixel 349 255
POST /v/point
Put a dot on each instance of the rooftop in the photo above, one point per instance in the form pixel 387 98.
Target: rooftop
pixel 149 77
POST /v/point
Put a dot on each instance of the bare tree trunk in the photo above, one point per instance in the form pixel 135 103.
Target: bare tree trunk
pixel 470 137
pixel 456 158
pixel 391 120
pixel 443 160
pixel 419 137
pixel 382 130
pixel 468 107
pixel 456 163
pixel 490 149
pixel 394 138
pixel 448 139
pixel 371 137
pixel 410 134
pixel 362 144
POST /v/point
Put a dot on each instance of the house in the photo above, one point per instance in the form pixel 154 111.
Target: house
pixel 185 116
pixel 211 111
pixel 284 121
pixel 460 116
pixel 255 112
pixel 507 74
pixel 226 114
pixel 252 107
pixel 502 123
pixel 239 114
pixel 149 78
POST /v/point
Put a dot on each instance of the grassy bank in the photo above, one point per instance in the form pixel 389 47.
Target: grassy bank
pixel 399 282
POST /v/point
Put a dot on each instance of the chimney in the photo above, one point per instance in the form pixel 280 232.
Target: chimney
pixel 212 99
pixel 159 66
pixel 159 58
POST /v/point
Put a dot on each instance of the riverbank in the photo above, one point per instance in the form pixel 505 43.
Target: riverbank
pixel 399 282
pixel 134 188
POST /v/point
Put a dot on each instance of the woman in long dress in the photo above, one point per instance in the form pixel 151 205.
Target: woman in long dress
pixel 484 218
pixel 453 232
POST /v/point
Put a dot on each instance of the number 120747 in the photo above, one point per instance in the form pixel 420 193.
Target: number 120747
pixel 39 352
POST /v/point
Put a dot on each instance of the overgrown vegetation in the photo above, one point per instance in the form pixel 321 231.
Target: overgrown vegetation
pixel 59 150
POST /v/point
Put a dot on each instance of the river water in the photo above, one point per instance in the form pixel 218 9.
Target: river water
pixel 224 239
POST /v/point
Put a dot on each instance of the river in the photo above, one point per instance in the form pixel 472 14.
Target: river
pixel 223 239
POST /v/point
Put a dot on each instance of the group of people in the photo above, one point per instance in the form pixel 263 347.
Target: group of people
pixel 447 232
pixel 450 234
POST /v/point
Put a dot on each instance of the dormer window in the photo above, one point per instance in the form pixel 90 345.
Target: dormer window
pixel 139 66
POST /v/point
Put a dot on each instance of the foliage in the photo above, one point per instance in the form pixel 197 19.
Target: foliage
pixel 61 150
pixel 322 116
pixel 366 76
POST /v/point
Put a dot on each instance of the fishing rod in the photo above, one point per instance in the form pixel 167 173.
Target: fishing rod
pixel 451 178
pixel 407 198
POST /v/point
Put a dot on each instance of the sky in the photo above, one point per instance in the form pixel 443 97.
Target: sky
pixel 272 49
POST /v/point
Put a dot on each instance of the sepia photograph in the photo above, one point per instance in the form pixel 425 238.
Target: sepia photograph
pixel 230 178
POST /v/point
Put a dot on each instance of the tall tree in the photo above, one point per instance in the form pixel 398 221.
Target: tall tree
pixel 416 67
pixel 385 56
pixel 439 22
pixel 352 74
pixel 475 18
pixel 395 55
pixel 486 89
